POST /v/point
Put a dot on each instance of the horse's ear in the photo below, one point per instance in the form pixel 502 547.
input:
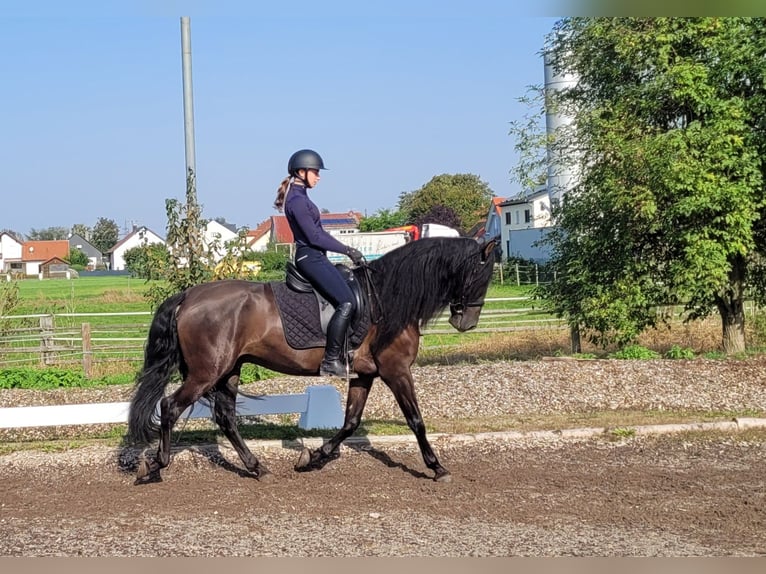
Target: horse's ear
pixel 490 247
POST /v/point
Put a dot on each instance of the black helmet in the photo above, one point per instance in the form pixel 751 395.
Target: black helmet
pixel 304 159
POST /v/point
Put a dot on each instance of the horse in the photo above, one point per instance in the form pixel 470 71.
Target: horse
pixel 208 331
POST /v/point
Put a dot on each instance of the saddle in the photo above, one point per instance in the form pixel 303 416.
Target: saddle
pixel 305 313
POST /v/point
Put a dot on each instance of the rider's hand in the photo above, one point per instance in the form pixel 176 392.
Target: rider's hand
pixel 355 255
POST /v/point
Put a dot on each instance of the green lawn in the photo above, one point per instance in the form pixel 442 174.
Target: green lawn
pixel 84 295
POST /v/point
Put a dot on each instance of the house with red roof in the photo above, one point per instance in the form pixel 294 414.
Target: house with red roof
pixel 36 255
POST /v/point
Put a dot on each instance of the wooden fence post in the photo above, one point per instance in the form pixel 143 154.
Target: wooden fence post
pixel 87 353
pixel 46 340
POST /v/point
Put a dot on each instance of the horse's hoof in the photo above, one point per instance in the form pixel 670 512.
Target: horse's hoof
pixel 265 476
pixel 143 469
pixel 148 478
pixel 443 477
pixel 304 460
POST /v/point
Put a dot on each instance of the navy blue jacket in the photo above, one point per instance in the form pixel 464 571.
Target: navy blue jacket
pixel 305 223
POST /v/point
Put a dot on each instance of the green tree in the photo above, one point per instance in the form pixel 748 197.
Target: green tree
pixel 105 234
pixel 148 261
pixel 465 194
pixel 48 234
pixel 383 219
pixel 670 136
pixel 78 258
pixel 191 262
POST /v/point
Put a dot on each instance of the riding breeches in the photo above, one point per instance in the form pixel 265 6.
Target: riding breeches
pixel 317 268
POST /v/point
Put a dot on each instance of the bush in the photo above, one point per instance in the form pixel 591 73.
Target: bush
pixel 634 352
pixel 43 379
pixel 678 352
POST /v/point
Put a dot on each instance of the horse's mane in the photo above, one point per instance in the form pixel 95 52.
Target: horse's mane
pixel 416 281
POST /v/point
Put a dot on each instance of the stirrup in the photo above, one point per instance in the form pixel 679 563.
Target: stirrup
pixel 334 368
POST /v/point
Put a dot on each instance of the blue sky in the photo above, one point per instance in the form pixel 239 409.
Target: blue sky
pixel 389 93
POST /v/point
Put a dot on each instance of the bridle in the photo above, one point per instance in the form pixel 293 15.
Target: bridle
pixel 458 307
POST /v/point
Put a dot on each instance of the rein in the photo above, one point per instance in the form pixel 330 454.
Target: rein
pixel 372 295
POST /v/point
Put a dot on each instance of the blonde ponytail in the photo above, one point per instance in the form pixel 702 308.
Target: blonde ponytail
pixel 279 202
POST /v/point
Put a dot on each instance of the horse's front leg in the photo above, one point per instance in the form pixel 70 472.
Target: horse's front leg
pixel 403 387
pixel 358 391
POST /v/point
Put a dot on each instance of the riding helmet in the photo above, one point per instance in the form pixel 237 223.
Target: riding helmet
pixel 304 159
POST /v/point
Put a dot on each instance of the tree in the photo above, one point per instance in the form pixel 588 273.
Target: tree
pixel 191 261
pixel 670 132
pixel 465 194
pixel 383 219
pixel 105 234
pixel 48 234
pixel 148 261
pixel 82 230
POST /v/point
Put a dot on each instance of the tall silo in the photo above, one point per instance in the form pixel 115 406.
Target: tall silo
pixel 562 164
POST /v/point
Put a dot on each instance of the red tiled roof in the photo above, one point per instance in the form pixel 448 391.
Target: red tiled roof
pixel 261 229
pixel 280 230
pixel 44 250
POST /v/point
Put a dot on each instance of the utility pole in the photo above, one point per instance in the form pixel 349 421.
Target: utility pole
pixel 186 60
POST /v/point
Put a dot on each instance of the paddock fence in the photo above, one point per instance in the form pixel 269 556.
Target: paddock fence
pixel 69 340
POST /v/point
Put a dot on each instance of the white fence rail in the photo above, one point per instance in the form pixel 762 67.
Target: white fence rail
pixel 319 407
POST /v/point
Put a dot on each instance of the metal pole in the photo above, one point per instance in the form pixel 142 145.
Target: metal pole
pixel 191 167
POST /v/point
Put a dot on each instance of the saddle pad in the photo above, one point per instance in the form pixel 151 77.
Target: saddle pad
pixel 300 319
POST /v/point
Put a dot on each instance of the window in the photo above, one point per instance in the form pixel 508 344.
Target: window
pixel 507 217
pixel 517 217
pixel 527 216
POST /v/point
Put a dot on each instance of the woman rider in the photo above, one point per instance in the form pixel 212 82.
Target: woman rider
pixel 312 244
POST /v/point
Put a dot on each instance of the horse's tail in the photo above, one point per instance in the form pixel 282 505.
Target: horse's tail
pixel 162 358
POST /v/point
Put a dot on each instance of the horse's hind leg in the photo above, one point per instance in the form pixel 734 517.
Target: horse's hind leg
pixel 225 410
pixel 171 408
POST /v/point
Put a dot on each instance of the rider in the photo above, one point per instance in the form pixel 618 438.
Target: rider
pixel 312 244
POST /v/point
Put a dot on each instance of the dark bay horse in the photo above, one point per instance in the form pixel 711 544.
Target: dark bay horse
pixel 209 331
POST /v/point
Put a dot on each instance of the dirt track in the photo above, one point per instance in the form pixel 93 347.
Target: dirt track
pixel 670 495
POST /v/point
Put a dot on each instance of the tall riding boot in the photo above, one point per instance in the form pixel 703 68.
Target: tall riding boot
pixel 333 364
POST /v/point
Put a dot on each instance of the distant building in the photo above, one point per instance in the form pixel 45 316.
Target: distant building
pixel 10 254
pixel 217 235
pixel 95 257
pixel 525 220
pixel 35 253
pixel 139 236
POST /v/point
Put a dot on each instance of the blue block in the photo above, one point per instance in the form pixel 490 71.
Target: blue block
pixel 324 410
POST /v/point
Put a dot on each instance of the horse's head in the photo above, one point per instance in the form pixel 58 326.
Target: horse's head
pixel 466 308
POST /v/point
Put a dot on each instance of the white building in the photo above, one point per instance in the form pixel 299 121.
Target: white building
pixel 10 253
pixel 216 236
pixel 524 220
pixel 139 236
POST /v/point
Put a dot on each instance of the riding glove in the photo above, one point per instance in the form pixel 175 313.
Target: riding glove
pixel 355 255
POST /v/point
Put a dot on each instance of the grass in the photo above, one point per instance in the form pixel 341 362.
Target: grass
pixel 100 294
